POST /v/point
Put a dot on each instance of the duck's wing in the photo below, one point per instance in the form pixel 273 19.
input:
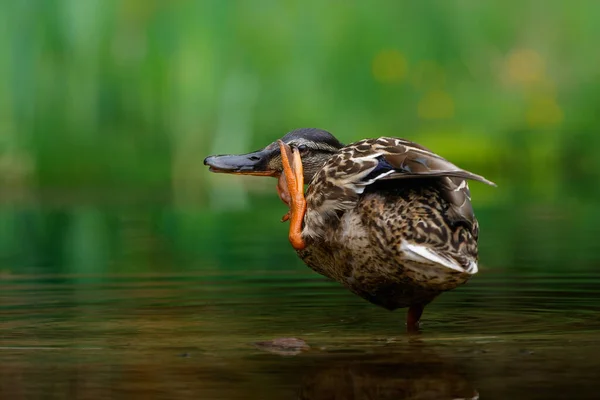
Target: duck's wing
pixel 345 176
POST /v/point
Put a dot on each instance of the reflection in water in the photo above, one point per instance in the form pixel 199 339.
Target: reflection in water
pixel 64 373
pixel 409 375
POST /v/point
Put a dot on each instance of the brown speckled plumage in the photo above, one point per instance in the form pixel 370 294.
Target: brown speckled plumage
pixel 357 221
pixel 361 248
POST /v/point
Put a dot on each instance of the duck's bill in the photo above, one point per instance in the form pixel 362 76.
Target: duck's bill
pixel 255 163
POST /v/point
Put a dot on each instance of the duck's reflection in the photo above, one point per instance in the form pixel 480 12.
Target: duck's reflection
pixel 415 374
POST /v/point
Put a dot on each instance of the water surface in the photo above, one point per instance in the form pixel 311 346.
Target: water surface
pixel 193 336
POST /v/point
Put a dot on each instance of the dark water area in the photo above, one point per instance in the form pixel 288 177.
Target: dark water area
pixel 195 335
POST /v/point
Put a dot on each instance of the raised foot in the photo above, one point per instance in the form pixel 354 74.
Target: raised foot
pixel 293 180
pixel 284 195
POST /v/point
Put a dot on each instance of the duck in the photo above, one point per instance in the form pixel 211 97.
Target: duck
pixel 385 217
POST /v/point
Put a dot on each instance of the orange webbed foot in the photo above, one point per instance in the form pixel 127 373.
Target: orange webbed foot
pixel 293 178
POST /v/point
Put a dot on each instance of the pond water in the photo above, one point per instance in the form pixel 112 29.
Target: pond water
pixel 154 336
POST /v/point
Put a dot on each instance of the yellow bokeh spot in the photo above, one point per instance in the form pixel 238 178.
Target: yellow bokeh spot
pixel 525 67
pixel 428 75
pixel 436 104
pixel 137 10
pixel 543 112
pixel 389 66
pixel 543 87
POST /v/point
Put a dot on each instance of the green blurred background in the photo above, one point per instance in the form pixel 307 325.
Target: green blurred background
pixel 108 107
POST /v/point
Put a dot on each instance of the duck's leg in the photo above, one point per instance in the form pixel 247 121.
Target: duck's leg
pixel 284 195
pixel 414 315
pixel 294 178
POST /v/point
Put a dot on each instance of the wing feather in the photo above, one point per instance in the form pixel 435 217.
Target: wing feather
pixel 344 177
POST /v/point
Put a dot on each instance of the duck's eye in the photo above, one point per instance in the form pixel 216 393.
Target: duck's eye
pixel 302 148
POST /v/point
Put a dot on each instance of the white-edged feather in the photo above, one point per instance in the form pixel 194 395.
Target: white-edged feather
pixel 380 176
pixel 425 254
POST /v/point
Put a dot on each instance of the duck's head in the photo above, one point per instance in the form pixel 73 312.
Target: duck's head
pixel 315 146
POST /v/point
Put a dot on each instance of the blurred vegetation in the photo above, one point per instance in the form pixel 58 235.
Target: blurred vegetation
pixel 108 107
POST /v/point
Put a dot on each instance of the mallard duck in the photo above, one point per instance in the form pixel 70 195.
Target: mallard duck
pixel 386 217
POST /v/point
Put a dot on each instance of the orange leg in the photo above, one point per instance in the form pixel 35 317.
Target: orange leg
pixel 294 178
pixel 284 195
